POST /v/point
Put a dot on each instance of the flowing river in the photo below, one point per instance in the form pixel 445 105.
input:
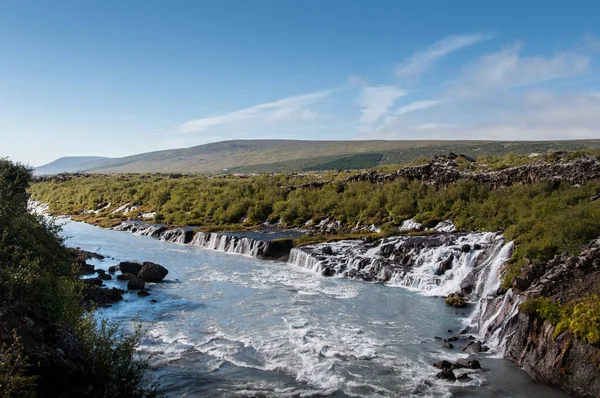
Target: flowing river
pixel 227 325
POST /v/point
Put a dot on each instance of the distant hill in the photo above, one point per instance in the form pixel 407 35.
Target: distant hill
pixel 71 164
pixel 263 156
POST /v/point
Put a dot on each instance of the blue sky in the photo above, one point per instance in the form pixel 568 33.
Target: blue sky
pixel 113 78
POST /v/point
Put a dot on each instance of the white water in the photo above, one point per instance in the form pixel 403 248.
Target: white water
pixel 236 326
pixel 229 243
pixel 423 271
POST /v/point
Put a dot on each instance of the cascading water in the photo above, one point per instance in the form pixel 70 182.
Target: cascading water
pixel 230 243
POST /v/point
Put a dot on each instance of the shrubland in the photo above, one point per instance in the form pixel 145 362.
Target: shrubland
pixel 544 219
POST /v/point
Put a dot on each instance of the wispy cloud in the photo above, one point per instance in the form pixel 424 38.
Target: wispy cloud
pixel 416 106
pixel 376 101
pixel 417 64
pixel 508 69
pixel 290 108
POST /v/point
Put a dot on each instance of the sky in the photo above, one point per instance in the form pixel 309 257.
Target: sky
pixel 116 78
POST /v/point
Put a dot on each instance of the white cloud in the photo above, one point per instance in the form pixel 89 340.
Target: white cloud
pixel 421 61
pixel 507 69
pixel 531 115
pixel 291 108
pixel 376 102
pixel 415 106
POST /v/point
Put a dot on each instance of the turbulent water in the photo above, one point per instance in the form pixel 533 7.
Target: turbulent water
pixel 232 325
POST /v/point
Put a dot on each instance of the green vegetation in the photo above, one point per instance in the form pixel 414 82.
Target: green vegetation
pixel 36 273
pixel 580 317
pixel 544 219
pixel 267 156
pixel 456 301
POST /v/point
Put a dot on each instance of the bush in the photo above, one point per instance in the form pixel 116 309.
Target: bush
pixel 36 272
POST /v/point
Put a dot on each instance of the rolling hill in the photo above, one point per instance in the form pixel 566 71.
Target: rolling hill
pixel 263 156
pixel 71 164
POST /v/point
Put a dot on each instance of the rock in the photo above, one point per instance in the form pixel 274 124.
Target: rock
pixel 327 250
pixel 112 269
pixel 520 283
pixel 453 338
pixel 105 277
pixel 152 272
pixel 444 265
pixel 143 292
pixel 128 267
pixel 466 363
pixel 476 246
pixel 93 282
pixel 102 297
pixel 100 272
pixel 448 345
pixel 465 248
pixel 126 277
pixel 443 364
pixel 446 374
pixel 86 269
pixel 135 284
pixel 463 377
pixel 473 347
pixel 154 301
pixel 55 354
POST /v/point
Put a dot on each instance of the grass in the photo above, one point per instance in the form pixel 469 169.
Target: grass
pixel 266 156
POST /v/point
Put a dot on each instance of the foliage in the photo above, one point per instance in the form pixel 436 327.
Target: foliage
pixel 580 317
pixel 115 367
pixel 542 308
pixel 543 219
pixel 13 365
pixel 455 301
pixel 36 272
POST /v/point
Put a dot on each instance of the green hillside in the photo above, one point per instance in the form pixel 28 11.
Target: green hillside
pixel 263 156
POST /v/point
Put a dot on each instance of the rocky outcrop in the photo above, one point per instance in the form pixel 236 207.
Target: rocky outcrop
pixel 443 170
pixel 566 361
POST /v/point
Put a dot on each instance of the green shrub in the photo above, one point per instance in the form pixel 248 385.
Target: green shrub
pixel 13 366
pixel 542 308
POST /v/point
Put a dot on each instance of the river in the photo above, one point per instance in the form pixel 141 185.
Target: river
pixel 226 325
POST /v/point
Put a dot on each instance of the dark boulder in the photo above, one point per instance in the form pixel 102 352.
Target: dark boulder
pixel 465 248
pixel 473 347
pixel 86 269
pixel 135 284
pixel 448 345
pixel 94 295
pixel 126 277
pixel 521 284
pixel 143 293
pixel 112 269
pixel 446 374
pixel 443 364
pixel 128 267
pixel 93 282
pixel 466 363
pixel 444 265
pixel 327 250
pixel 152 272
pixel 105 277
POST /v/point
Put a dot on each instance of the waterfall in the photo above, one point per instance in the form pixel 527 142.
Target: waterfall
pixel 435 265
pixel 230 243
